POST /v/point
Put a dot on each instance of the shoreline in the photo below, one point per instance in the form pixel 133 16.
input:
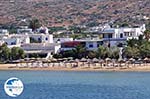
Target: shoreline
pixel 6 67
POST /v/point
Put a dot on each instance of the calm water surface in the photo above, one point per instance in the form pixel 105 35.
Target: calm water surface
pixel 79 85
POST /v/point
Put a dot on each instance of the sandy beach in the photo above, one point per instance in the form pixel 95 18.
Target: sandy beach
pixel 145 68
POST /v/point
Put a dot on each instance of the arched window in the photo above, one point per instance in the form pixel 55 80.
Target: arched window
pixel 39 39
pixel 46 38
pixel 121 35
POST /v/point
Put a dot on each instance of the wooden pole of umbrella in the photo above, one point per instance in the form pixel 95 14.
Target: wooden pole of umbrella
pixel 101 62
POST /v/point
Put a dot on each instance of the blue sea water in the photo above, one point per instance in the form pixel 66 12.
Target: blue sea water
pixel 79 85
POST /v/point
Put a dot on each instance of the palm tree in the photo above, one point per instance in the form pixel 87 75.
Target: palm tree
pixel 92 54
pixel 132 42
pixel 80 51
pixel 114 52
pixel 145 50
pixel 103 52
pixel 131 52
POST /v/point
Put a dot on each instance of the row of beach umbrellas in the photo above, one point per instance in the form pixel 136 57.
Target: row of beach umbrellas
pixel 95 60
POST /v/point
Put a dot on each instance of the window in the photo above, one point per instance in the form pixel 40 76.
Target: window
pixel 121 35
pixel 46 38
pixel 109 35
pixel 13 43
pixel 39 39
pixel 98 45
pixel 58 40
pixel 131 34
pixel 126 33
pixel 91 46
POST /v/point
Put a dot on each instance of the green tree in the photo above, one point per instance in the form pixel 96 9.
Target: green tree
pixel 4 53
pixel 75 29
pixel 124 24
pixel 32 40
pixel 92 54
pixel 17 53
pixel 114 52
pixel 131 52
pixel 68 53
pixel 145 50
pixel 103 52
pixel 34 24
pixel 80 51
pixel 57 56
pixel 132 42
pixel 76 36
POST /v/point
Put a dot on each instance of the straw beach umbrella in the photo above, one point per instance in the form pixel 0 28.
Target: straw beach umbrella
pixel 54 60
pixel 107 60
pixel 95 60
pixel 83 60
pixel 132 60
pixel 77 60
pixel 89 60
pixel 71 62
pixel 139 61
pixel 146 60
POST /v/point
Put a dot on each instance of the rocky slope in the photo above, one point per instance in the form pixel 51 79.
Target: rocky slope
pixel 69 12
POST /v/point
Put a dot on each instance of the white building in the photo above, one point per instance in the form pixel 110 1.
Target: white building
pixel 47 45
pixel 41 47
pixel 109 37
pixel 61 40
pixel 4 32
pixel 14 40
pixel 23 27
pixel 19 39
pixel 44 46
pixel 97 28
pixel 42 38
pixel 88 44
pixel 24 31
pixel 114 36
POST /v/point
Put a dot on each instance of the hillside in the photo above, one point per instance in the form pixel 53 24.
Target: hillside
pixel 69 12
